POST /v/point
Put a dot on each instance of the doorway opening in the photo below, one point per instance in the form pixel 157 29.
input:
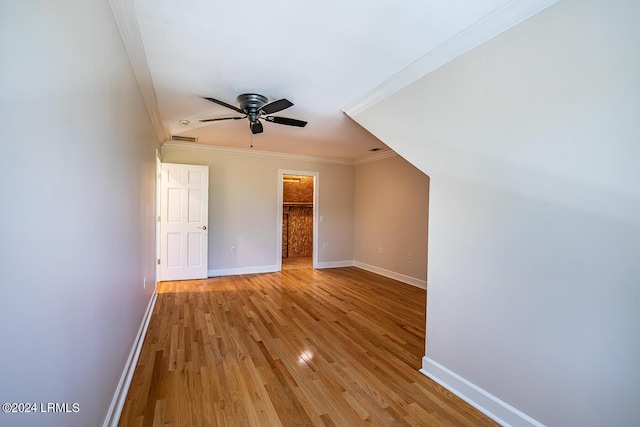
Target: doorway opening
pixel 298 224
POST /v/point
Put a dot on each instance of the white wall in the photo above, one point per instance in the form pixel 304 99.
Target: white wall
pixel 391 212
pixel 76 217
pixel 532 143
pixel 243 207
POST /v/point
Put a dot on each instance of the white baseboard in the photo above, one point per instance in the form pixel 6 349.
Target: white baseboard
pixel 329 264
pixel 482 400
pixel 270 268
pixel 115 409
pixel 335 264
pixel 242 270
pixel 392 275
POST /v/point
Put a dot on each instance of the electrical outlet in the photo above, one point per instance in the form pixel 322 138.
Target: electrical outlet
pixel 144 283
pixel 380 250
pixel 326 246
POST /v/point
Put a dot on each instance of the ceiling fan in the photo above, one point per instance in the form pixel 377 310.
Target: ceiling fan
pixel 255 107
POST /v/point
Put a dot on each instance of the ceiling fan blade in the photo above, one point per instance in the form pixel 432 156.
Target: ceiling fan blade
pixel 286 121
pixel 275 106
pixel 222 118
pixel 224 104
pixel 256 127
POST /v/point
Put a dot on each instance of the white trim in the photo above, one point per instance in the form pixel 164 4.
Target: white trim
pixel 335 264
pixel 496 22
pixel 482 400
pixel 243 270
pixel 120 395
pixel 271 269
pixel 375 157
pixel 125 17
pixel 418 283
pixel 316 209
pixel 279 222
pixel 156 223
pixel 253 152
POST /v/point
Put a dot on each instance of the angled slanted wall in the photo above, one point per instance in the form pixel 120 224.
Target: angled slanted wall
pixel 531 143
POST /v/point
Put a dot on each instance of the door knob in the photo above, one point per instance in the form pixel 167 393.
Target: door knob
pixel 204 227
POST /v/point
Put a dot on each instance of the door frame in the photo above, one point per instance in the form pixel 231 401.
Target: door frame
pixel 156 216
pixel 316 206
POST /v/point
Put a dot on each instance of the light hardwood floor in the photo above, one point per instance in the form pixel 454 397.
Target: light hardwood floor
pixel 303 347
pixel 294 263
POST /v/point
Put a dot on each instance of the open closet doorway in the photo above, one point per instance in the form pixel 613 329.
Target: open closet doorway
pixel 298 207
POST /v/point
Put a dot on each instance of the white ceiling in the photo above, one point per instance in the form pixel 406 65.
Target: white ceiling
pixel 322 56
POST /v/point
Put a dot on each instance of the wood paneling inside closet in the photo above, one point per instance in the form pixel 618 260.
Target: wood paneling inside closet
pixel 299 230
pixel 297 216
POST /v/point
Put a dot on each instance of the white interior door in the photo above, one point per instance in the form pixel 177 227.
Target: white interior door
pixel 184 221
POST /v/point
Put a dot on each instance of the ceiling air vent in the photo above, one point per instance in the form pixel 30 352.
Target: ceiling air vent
pixel 184 138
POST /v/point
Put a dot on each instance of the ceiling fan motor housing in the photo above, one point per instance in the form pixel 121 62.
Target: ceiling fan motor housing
pixel 251 103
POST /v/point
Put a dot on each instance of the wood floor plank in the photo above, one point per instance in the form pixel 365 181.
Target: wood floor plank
pixel 301 347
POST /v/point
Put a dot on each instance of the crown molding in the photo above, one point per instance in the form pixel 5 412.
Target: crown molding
pixel 125 17
pixel 253 152
pixel 375 157
pixel 495 23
